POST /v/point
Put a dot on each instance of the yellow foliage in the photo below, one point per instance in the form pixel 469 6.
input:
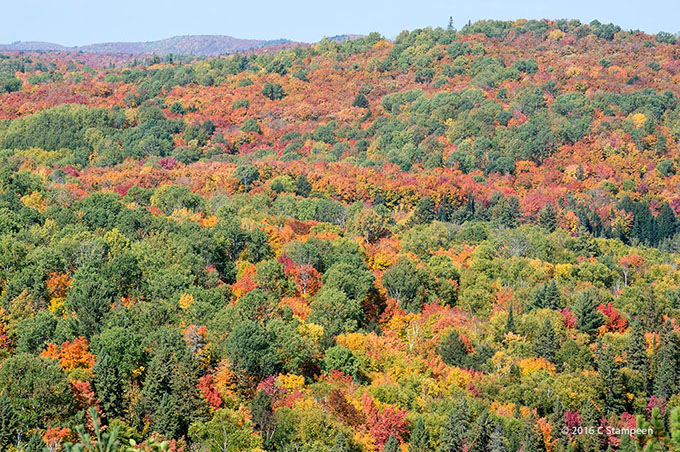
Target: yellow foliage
pixel 365 441
pixel 562 271
pixel 458 377
pixel 291 381
pixel 185 300
pixel 556 35
pixel 310 330
pixel 532 365
pixel 353 341
pixel 503 409
pixel 117 241
pixel 209 222
pixel 639 119
pixel 57 306
pixel 573 71
pixel 34 201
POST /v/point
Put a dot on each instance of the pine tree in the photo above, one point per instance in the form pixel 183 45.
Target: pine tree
pixel 450 26
pixel 553 296
pixel 666 380
pixel 627 444
pixel 538 297
pixel 532 440
pixel 510 321
pixel 445 209
pixel 666 223
pixel 9 424
pixel 546 344
pixel 424 211
pixel 637 349
pixel 360 101
pixel 456 428
pixel 340 444
pixel 611 379
pixel 392 444
pixel 420 438
pixel 480 436
pixel 589 417
pixel 108 385
pixel 302 186
pixel 557 421
pixel 498 442
pixel 547 217
pixel 589 319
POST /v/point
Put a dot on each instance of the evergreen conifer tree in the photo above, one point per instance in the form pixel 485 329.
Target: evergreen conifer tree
pixel 392 444
pixel 420 438
pixel 546 344
pixel 666 380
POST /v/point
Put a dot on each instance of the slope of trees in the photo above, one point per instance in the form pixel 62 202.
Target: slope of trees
pixel 459 240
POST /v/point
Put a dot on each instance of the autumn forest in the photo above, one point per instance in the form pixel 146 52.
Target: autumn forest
pixel 455 240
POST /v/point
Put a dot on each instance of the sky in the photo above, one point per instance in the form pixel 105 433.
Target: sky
pixel 79 22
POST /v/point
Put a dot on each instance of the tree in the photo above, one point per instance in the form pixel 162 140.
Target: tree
pixel 251 125
pixel 263 415
pixel 510 321
pixel 9 424
pixel 360 101
pixel 453 350
pixel 103 440
pixel 90 297
pixel 498 442
pixel 666 379
pixel 424 211
pixel 547 217
pixel 420 438
pixel 227 431
pixel 302 186
pixel 108 386
pixel 636 352
pixel 250 350
pixel 456 428
pixel 480 436
pixel 402 283
pixel 546 344
pixel 611 379
pixel 547 296
pixel 392 444
pixel 273 91
pixel 340 444
pixel 37 389
pixel 341 358
pixel 246 175
pixel 335 312
pixel 589 319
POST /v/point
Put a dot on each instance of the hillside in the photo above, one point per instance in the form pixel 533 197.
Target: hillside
pixel 458 240
pixel 200 45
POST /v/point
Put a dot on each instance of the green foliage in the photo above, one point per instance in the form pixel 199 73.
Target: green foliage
pixel 103 441
pixel 36 389
pixel 273 91
pixel 453 350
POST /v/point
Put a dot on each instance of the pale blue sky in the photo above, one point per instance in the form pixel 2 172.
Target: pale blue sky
pixel 78 22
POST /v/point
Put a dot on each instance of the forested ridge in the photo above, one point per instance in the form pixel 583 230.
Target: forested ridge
pixel 459 240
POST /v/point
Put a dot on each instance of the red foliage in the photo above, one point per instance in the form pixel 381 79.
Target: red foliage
pixel 208 391
pixel 307 279
pixel 337 403
pixel 614 321
pixel 569 318
pixel 382 424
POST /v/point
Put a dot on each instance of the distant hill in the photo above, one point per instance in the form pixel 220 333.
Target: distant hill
pixel 205 45
pixel 32 46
